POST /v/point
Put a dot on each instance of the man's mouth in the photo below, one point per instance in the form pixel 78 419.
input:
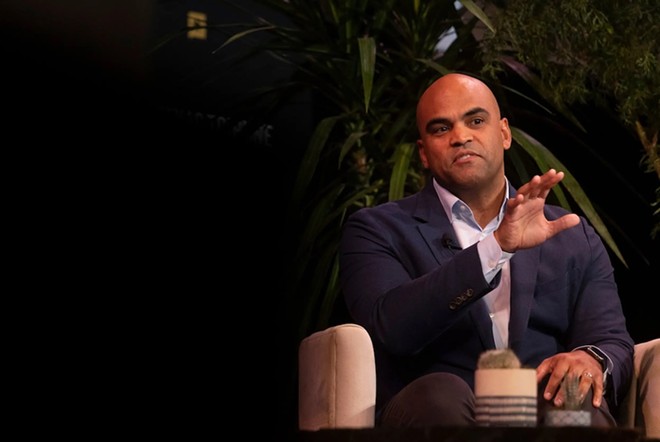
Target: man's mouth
pixel 464 157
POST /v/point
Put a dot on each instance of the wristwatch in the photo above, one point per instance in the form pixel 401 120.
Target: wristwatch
pixel 597 354
pixel 605 362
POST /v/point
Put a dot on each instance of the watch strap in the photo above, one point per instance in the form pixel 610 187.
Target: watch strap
pixel 597 354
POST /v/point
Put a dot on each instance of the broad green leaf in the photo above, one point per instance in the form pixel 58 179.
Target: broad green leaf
pixel 240 35
pixel 327 210
pixel 535 82
pixel 479 13
pixel 312 155
pixel 433 65
pixel 348 144
pixel 328 265
pixel 400 124
pixel 322 215
pixel 544 159
pixel 332 291
pixel 400 170
pixel 316 222
pixel 367 67
pixel 514 156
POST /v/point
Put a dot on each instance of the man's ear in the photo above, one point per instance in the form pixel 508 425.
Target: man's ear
pixel 506 133
pixel 422 154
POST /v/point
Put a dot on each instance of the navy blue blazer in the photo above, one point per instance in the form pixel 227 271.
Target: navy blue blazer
pixel 420 299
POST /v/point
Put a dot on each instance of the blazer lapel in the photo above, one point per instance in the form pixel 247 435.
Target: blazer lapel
pixel 434 227
pixel 434 224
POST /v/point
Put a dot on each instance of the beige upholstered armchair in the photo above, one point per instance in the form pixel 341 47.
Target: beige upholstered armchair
pixel 337 382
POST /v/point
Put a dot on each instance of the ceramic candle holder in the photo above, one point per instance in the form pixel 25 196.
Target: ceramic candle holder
pixel 506 397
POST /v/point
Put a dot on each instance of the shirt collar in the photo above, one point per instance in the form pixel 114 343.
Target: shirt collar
pixel 457 209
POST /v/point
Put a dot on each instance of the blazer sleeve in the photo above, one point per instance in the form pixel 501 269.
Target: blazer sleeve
pixel 403 287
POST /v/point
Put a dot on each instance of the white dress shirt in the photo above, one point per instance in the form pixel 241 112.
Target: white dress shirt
pixel 493 258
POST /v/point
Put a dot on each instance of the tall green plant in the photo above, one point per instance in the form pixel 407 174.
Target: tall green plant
pixel 367 62
pixel 364 62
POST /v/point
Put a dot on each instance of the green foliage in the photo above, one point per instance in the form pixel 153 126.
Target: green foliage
pixel 589 51
pixel 595 50
pixel 545 160
pixel 367 62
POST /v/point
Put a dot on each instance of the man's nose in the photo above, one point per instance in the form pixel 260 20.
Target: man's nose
pixel 460 134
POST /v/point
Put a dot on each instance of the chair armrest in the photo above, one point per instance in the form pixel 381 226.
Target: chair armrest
pixel 647 368
pixel 336 379
pixel 641 409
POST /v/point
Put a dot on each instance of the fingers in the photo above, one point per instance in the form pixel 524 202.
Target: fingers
pixel 588 380
pixel 524 224
pixel 540 186
pixel 565 222
pixel 596 382
pixel 557 368
pixel 561 368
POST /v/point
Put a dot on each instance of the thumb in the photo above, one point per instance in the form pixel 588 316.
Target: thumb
pixel 565 222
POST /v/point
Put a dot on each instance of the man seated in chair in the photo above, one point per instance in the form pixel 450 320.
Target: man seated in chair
pixel 468 264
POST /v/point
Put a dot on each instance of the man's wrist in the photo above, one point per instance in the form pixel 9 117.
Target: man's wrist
pixel 597 354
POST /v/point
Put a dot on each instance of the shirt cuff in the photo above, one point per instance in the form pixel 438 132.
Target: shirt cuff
pixel 492 256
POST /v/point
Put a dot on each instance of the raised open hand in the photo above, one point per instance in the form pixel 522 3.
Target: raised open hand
pixel 524 225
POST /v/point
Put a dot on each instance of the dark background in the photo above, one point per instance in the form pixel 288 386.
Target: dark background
pixel 151 196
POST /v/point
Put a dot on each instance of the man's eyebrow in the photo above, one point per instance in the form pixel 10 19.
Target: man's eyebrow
pixel 447 121
pixel 476 110
pixel 435 121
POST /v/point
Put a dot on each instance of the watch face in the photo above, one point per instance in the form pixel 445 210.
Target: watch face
pixel 595 353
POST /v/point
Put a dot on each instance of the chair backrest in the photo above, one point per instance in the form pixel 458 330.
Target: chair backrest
pixel 336 379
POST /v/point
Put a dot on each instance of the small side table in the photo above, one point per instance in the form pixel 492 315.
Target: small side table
pixel 475 434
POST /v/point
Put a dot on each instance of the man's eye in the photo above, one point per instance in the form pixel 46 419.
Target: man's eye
pixel 440 129
pixel 477 121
